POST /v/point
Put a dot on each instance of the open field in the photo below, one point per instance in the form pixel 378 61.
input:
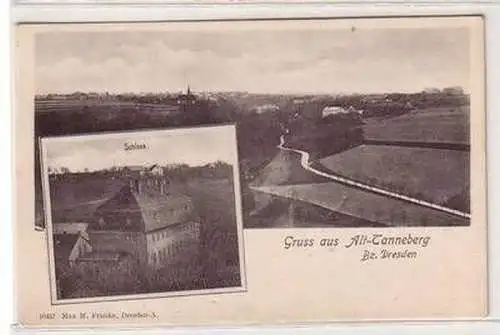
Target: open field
pixel 291 213
pixel 285 169
pixel 77 199
pixel 428 125
pixel 429 174
pixel 365 205
pixel 91 105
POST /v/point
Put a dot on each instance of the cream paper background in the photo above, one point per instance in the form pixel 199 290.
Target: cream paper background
pixel 447 280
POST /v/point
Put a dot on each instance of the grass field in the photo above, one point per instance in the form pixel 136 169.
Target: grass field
pixel 285 169
pixel 284 212
pixel 78 198
pixel 102 108
pixel 430 174
pixel 365 205
pixel 429 125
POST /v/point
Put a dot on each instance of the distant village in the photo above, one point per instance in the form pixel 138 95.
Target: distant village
pixel 366 105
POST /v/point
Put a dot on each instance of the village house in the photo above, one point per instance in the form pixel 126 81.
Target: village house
pixel 71 241
pixel 266 108
pixel 333 110
pixel 154 170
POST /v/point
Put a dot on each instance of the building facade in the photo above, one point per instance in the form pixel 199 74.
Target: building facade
pixel 146 219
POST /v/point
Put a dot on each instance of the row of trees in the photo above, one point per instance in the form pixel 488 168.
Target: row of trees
pixel 184 172
pixel 397 103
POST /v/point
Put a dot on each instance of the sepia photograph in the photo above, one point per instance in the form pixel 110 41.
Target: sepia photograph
pixel 143 213
pixel 354 127
pixel 197 173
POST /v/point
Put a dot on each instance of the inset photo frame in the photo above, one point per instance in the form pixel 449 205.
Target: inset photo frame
pixel 143 214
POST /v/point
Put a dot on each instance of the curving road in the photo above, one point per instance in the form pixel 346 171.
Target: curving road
pixel 304 161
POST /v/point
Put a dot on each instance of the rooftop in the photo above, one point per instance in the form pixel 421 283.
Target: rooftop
pixel 63 245
pixel 148 210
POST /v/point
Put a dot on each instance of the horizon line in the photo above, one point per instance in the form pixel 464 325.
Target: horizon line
pixel 250 92
pixel 136 165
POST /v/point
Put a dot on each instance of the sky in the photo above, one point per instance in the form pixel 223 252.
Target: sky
pixel 274 61
pixel 195 147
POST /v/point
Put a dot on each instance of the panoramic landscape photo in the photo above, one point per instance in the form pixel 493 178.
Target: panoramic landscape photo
pixel 131 215
pixel 335 127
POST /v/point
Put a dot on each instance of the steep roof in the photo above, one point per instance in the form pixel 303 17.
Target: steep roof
pixel 144 211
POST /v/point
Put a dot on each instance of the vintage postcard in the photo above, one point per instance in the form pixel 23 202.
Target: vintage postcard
pixel 143 214
pixel 357 171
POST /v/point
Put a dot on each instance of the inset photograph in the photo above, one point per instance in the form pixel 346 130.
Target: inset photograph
pixel 143 214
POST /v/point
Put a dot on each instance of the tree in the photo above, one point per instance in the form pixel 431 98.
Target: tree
pixel 64 170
